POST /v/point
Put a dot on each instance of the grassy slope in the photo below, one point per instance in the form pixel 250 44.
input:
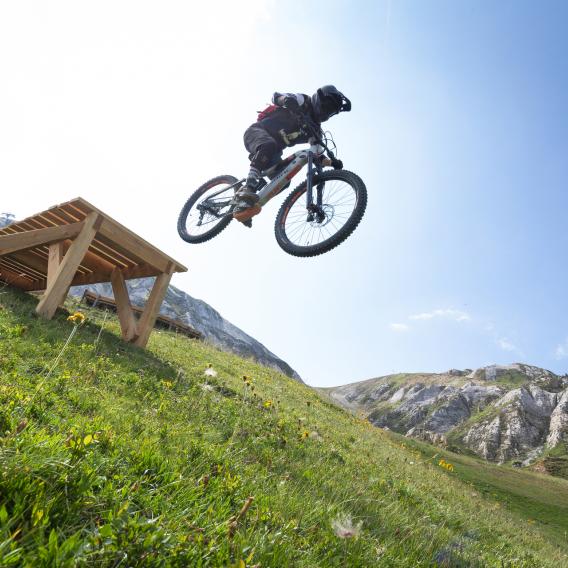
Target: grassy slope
pixel 538 498
pixel 133 458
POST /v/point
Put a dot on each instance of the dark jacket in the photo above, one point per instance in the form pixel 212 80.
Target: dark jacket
pixel 285 126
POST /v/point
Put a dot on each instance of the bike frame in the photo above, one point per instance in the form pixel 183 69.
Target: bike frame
pixel 280 181
pixel 275 186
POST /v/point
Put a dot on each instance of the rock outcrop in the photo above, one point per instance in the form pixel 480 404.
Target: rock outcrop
pixel 502 413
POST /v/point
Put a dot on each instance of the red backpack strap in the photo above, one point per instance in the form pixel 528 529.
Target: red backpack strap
pixel 262 114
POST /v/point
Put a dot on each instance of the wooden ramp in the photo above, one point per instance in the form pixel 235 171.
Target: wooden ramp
pixel 76 243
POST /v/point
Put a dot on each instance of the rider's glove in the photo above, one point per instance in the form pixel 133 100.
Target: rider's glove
pixel 336 164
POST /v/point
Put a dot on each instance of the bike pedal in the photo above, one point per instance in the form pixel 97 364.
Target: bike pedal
pixel 246 214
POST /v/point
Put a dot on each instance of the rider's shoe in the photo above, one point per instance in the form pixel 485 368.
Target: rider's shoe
pixel 246 197
pixel 246 206
pixel 247 223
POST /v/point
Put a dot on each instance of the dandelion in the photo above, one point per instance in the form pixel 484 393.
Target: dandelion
pixel 267 403
pixel 304 435
pixel 168 384
pixel 448 466
pixel 316 436
pixel 77 318
pixel 343 527
pixel 210 372
pixel 206 387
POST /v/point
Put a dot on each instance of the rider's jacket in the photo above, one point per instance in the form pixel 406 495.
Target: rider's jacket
pixel 283 125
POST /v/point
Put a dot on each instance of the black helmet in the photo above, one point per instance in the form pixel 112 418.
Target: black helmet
pixel 328 101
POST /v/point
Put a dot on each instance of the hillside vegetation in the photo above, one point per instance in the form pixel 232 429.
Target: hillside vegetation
pixel 538 498
pixel 183 455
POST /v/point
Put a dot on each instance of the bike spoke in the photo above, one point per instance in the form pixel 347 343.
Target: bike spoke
pixel 338 203
pixel 199 221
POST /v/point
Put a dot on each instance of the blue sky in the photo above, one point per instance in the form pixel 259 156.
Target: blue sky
pixel 459 129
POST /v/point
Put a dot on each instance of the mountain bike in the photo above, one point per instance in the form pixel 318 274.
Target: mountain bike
pixel 314 218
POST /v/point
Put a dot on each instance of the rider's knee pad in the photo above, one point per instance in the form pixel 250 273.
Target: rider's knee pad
pixel 266 156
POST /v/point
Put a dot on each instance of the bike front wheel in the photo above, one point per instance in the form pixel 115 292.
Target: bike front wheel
pixel 303 232
pixel 207 212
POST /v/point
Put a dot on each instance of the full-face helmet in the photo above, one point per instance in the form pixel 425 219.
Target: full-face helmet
pixel 328 101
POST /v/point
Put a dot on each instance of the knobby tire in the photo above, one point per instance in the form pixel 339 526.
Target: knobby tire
pixel 343 233
pixel 194 198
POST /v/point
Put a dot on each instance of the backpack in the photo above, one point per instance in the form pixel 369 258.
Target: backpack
pixel 262 114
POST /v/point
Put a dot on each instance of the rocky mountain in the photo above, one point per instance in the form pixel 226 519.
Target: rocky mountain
pixel 515 413
pixel 201 316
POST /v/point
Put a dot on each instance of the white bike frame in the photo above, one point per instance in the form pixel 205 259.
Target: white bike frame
pixel 299 160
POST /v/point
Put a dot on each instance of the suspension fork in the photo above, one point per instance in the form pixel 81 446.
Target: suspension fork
pixel 309 182
pixel 313 168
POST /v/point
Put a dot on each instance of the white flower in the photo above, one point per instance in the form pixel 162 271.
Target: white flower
pixel 206 387
pixel 343 527
pixel 210 372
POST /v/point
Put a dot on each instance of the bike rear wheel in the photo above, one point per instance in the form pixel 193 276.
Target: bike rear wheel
pixel 206 213
pixel 303 233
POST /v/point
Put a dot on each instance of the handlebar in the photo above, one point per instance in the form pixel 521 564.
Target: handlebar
pixel 314 131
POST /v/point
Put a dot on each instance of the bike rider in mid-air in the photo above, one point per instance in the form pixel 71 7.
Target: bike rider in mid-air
pixel 281 125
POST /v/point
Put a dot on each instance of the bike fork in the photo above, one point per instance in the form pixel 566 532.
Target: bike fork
pixel 310 205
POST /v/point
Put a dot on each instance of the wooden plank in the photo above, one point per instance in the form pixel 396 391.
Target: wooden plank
pixel 131 242
pixel 84 205
pixel 34 264
pixel 112 255
pixel 126 317
pixel 20 268
pixel 152 308
pixel 77 209
pixel 56 253
pixel 14 279
pixel 29 239
pixel 37 260
pixel 141 271
pixel 57 289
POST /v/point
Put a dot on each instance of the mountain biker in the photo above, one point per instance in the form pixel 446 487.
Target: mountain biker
pixel 280 125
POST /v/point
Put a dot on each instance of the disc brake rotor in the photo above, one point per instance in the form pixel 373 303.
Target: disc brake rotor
pixel 328 212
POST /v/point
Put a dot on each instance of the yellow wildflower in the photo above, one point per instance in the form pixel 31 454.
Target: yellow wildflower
pixel 267 403
pixel 77 318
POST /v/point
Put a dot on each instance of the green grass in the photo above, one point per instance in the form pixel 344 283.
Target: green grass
pixel 510 379
pixel 125 457
pixel 538 498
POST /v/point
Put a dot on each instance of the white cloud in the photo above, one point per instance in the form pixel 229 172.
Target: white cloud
pixel 561 351
pixel 400 327
pixel 447 313
pixel 506 344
